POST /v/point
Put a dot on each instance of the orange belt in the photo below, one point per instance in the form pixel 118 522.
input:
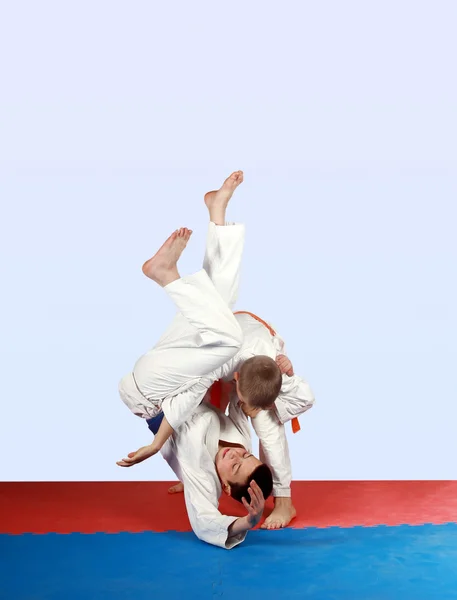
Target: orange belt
pixel 219 391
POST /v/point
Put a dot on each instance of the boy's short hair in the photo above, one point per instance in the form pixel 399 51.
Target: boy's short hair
pixel 262 476
pixel 260 381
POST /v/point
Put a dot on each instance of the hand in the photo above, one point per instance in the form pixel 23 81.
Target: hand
pixel 255 509
pixel 249 411
pixel 138 456
pixel 284 364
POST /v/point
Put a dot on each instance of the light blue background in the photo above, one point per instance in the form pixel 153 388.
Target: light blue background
pixel 117 117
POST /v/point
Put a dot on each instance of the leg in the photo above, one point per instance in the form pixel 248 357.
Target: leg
pixel 177 488
pixel 224 244
pixel 217 201
pixel 224 247
pixel 274 451
pixel 163 266
pixel 204 336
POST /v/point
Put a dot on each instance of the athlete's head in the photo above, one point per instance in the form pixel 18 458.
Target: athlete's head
pixel 236 468
pixel 258 382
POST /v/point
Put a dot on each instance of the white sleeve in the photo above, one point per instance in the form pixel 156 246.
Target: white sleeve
pixel 208 524
pixel 295 398
pixel 296 395
pixel 178 409
pixel 274 450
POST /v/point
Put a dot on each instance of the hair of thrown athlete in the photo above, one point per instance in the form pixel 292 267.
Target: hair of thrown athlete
pixel 264 479
pixel 260 381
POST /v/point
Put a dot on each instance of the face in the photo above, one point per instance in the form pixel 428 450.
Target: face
pixel 234 465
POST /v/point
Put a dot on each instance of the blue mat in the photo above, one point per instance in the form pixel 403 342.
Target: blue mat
pixel 388 563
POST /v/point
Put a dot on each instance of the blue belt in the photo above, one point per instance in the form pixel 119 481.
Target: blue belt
pixel 155 422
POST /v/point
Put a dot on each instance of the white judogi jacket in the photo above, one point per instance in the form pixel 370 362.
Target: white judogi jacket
pixel 191 452
pixel 295 397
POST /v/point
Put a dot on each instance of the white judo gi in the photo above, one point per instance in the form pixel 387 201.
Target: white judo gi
pixel 206 342
pixel 191 451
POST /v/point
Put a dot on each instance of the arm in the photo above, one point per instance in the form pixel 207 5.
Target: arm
pixel 274 450
pixel 212 527
pixel 133 458
pixel 295 398
pixel 285 365
pixel 255 511
pixel 178 409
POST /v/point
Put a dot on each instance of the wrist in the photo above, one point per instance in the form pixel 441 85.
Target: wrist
pixel 155 446
pixel 252 521
pixel 240 525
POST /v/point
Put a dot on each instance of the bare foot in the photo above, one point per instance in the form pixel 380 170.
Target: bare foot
pixel 217 201
pixel 162 267
pixel 282 514
pixel 178 488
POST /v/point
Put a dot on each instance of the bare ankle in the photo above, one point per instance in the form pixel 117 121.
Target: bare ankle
pixel 168 277
pixel 217 217
pixel 283 501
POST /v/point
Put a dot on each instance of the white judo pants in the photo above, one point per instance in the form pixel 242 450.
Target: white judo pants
pixel 203 336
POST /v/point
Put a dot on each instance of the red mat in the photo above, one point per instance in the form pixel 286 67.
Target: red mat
pixel 110 507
